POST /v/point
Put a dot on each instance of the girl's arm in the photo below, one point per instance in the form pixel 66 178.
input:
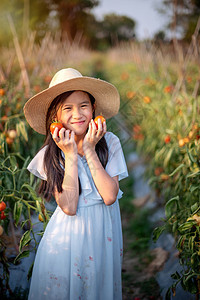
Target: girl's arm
pixel 68 199
pixel 106 185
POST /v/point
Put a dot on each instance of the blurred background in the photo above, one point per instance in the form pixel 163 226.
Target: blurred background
pixel 149 50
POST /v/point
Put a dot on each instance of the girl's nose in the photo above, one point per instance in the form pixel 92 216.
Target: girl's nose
pixel 76 113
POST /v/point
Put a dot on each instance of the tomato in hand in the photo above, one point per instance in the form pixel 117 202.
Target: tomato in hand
pixel 97 118
pixel 55 125
pixel 2 205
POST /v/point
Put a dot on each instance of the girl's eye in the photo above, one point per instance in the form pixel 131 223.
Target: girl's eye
pixel 84 105
pixel 67 108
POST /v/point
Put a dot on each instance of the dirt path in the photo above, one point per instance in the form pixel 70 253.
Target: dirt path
pixel 140 267
pixel 140 263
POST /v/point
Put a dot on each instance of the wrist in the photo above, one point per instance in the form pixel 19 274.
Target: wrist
pixel 71 157
pixel 70 154
pixel 88 149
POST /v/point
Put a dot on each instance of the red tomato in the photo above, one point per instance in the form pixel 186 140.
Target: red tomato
pixel 3 216
pixel 96 120
pixel 2 205
pixel 53 126
pixel 167 139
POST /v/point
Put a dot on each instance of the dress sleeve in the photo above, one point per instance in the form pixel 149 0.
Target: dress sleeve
pixel 36 165
pixel 116 164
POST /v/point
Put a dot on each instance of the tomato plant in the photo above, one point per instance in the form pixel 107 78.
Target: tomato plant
pixel 165 128
pixel 18 199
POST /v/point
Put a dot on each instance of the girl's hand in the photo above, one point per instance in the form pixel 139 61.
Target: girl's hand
pixel 65 141
pixel 94 135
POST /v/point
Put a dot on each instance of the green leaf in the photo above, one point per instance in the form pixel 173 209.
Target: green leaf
pixel 191 242
pixel 171 206
pixel 157 232
pixel 175 276
pixel 168 156
pixel 185 226
pixel 13 162
pixel 21 255
pixel 168 294
pixel 191 157
pixel 190 284
pixel 32 191
pixel 180 243
pixel 23 223
pixel 24 169
pixel 193 188
pixel 17 211
pixel 177 169
pixel 21 130
pixel 194 207
pixel 25 240
pixel 38 206
pixel 30 271
pixel 193 174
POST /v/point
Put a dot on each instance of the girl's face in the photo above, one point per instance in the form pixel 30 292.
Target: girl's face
pixel 75 113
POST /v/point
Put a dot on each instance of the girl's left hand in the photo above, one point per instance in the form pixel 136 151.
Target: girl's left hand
pixel 94 135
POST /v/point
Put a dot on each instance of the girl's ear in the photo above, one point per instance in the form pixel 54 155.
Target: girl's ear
pixel 94 107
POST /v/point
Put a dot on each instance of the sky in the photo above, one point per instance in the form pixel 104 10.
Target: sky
pixel 144 12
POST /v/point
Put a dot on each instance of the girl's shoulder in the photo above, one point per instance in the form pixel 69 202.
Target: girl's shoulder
pixel 110 137
pixel 36 166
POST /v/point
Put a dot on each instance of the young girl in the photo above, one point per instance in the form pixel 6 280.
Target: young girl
pixel 80 254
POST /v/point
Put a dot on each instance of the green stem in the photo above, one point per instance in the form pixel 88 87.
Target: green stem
pixel 29 215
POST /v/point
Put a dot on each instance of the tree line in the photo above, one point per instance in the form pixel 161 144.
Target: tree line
pixel 74 18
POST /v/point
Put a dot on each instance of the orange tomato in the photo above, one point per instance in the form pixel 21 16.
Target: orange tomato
pixel 181 142
pixel 147 99
pixel 2 92
pixel 40 218
pixel 97 118
pixel 9 141
pixel 55 125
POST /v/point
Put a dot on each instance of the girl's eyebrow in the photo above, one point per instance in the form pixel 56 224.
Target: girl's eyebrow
pixel 70 104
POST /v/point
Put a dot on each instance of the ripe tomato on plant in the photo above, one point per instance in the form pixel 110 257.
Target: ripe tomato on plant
pixel 97 118
pixel 3 216
pixel 40 218
pixel 167 139
pixel 55 125
pixel 2 205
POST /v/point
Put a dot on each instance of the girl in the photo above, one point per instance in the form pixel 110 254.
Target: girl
pixel 80 254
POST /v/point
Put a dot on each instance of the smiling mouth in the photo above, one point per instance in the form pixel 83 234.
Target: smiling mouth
pixel 78 123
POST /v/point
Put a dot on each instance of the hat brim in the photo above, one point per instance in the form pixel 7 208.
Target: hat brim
pixel 107 99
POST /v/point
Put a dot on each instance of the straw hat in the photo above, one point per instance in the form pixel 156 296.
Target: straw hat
pixel 106 96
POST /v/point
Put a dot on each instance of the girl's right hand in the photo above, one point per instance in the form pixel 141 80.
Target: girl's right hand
pixel 65 141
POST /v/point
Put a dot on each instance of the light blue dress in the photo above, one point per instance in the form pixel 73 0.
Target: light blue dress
pixel 80 257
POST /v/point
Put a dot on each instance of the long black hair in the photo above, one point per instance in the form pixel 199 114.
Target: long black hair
pixel 54 161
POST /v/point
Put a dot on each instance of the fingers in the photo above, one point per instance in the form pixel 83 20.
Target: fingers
pixel 94 129
pixel 101 128
pixel 63 135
